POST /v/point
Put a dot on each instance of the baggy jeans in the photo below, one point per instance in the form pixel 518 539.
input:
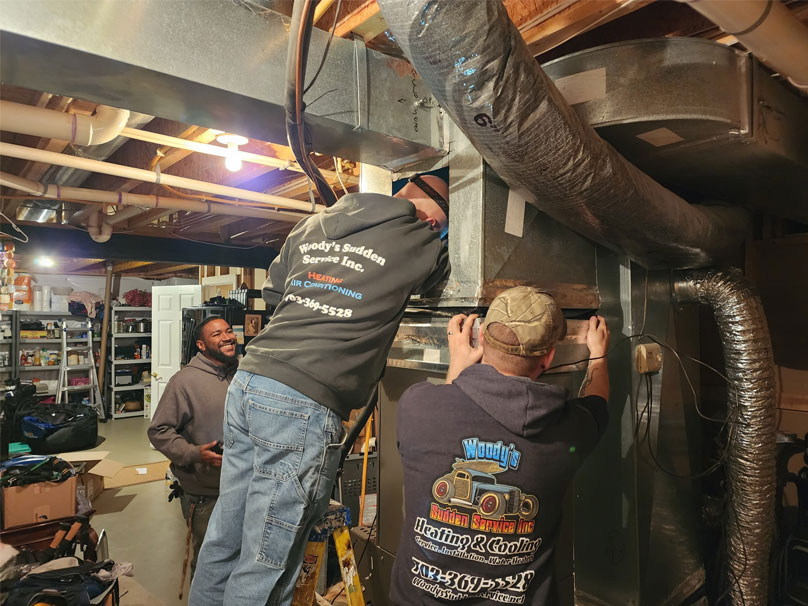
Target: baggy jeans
pixel 281 452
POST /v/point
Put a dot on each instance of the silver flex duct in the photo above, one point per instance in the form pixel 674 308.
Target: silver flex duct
pixel 749 519
pixel 478 67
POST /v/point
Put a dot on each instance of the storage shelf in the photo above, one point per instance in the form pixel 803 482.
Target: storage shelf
pixel 31 368
pixel 50 314
pixel 123 415
pixel 70 340
pixel 79 367
pixel 128 308
pixel 131 387
pixel 79 388
pixel 119 335
pixel 133 361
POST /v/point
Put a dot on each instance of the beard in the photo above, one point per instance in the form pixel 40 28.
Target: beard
pixel 228 361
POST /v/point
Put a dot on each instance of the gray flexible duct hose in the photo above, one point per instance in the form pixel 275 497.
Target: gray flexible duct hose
pixel 752 406
pixel 478 67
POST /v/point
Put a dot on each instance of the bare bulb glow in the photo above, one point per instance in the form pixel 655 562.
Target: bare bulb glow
pixel 45 262
pixel 233 163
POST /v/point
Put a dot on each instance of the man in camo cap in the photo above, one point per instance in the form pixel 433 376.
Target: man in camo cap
pixel 487 457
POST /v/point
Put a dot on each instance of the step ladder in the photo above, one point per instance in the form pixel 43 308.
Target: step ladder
pixel 63 387
pixel 335 522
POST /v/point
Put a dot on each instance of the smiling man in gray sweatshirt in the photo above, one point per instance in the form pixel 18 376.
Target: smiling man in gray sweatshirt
pixel 187 425
pixel 340 284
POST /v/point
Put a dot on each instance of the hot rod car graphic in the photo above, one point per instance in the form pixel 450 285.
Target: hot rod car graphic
pixel 472 484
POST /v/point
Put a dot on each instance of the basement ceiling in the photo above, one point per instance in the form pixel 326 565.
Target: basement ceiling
pixel 551 28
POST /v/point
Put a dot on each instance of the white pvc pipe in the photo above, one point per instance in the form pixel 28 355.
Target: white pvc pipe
pixel 99 230
pixel 768 29
pixel 123 215
pixel 102 127
pixel 141 200
pixel 127 172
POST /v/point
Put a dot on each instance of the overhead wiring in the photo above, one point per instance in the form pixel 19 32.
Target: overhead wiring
pixel 299 37
pixel 327 47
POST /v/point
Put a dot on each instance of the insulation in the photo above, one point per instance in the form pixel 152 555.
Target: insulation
pixel 486 79
pixel 752 406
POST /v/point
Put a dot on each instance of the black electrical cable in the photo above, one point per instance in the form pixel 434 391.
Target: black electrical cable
pixel 299 37
pixel 327 47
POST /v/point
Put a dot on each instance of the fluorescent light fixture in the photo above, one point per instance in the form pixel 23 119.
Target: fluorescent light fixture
pixel 44 261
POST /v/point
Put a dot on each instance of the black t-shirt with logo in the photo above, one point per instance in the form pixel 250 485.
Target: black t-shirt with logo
pixel 487 461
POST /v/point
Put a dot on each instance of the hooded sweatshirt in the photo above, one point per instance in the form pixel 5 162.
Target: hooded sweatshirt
pixel 341 283
pixel 487 460
pixel 191 413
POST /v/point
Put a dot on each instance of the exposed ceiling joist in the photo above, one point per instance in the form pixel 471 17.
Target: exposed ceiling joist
pixel 167 269
pixel 366 21
pixel 127 266
pixel 542 34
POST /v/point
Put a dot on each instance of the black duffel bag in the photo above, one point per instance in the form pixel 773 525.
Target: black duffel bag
pixel 73 586
pixel 54 428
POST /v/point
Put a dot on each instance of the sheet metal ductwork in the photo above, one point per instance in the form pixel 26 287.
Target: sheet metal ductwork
pixel 749 362
pixel 484 76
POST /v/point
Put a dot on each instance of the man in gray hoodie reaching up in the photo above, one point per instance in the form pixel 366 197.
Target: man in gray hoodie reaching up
pixel 187 425
pixel 340 284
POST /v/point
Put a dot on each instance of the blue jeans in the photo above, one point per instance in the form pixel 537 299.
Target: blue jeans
pixel 280 460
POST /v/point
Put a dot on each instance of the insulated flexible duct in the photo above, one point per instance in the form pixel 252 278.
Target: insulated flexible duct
pixel 480 70
pixel 752 406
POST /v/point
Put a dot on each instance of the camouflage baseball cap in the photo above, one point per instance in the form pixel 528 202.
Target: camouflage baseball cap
pixel 532 315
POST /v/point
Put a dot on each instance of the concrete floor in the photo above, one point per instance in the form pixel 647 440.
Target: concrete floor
pixel 142 526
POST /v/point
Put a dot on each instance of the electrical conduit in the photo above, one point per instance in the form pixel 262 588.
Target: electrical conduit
pixel 102 127
pixel 752 410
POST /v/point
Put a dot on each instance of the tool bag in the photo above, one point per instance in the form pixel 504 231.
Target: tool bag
pixel 52 428
pixel 18 402
pixel 73 586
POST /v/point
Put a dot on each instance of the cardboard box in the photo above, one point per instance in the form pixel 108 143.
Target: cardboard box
pixel 97 468
pixel 138 474
pixel 40 502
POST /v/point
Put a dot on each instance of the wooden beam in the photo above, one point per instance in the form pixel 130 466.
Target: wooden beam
pixel 366 21
pixel 168 268
pixel 556 26
pixel 126 266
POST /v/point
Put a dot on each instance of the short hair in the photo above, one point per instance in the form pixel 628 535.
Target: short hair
pixel 522 366
pixel 201 325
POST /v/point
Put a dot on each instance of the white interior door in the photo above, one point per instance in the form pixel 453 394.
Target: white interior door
pixel 167 304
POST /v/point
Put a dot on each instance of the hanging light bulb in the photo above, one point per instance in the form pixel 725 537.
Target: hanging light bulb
pixel 232 162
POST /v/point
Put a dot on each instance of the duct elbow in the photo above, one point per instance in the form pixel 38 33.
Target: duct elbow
pixel 99 230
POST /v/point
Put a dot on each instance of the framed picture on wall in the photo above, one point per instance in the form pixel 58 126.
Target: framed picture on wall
pixel 252 324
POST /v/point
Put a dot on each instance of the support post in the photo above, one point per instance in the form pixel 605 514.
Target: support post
pixel 102 362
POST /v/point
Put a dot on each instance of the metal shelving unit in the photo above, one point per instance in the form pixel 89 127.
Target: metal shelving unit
pixel 50 371
pixel 10 343
pixel 117 340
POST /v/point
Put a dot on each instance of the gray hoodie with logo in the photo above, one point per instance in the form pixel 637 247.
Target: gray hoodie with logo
pixel 341 283
pixel 191 413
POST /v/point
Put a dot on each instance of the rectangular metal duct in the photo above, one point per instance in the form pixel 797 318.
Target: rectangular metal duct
pixel 703 119
pixel 488 256
pixel 218 65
